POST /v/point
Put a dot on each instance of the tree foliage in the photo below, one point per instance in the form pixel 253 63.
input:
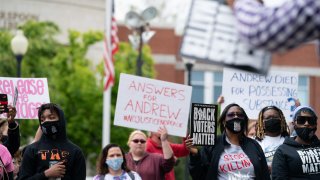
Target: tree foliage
pixel 74 82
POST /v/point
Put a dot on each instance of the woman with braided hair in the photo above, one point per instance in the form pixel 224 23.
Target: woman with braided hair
pixel 271 131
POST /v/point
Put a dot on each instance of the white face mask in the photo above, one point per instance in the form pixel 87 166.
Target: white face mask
pixel 115 163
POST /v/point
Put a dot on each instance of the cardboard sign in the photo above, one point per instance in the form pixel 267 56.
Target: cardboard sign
pixel 26 94
pixel 147 104
pixel 211 37
pixel 204 124
pixel 254 91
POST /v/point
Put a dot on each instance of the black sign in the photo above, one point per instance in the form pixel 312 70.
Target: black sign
pixel 204 124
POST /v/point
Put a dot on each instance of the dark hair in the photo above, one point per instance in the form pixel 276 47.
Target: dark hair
pixel 102 167
pixel 51 106
pixel 260 128
pixel 223 115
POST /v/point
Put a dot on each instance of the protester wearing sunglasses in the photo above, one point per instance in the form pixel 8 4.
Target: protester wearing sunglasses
pixel 299 157
pixel 234 156
pixel 271 131
pixel 149 165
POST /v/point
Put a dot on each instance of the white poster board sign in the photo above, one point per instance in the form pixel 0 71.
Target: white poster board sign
pixel 254 91
pixel 32 93
pixel 211 37
pixel 147 104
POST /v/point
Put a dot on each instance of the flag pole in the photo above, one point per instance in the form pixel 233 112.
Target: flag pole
pixel 107 90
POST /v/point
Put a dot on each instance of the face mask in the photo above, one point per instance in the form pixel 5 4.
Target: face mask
pixel 305 133
pixel 114 163
pixel 50 128
pixel 273 125
pixel 235 125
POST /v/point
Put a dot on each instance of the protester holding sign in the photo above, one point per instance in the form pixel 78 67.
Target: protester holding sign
pixel 154 145
pixel 299 157
pixel 54 155
pixel 112 165
pixel 271 131
pixel 234 156
pixel 149 165
pixel 10 133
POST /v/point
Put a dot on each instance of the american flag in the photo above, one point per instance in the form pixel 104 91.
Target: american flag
pixel 111 47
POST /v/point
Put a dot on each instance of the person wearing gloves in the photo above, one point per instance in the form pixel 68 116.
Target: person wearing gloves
pixel 299 157
pixel 54 156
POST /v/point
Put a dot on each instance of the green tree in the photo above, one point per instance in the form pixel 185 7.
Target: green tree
pixel 74 82
pixel 125 62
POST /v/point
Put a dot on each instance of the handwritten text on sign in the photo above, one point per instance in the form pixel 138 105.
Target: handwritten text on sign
pixel 32 92
pixel 253 91
pixel 146 104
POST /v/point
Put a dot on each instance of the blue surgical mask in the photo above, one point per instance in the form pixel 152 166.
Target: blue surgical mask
pixel 114 163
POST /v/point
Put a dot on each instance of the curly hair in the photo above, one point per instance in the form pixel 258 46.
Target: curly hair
pixel 223 115
pixel 102 167
pixel 260 132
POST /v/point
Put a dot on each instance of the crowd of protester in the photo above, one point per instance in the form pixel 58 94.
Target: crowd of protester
pixel 270 153
pixel 267 148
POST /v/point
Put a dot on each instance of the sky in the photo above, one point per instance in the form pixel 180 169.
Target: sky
pixel 171 13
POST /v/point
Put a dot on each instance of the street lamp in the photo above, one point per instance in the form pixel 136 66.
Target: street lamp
pixel 19 46
pixel 139 23
pixel 189 65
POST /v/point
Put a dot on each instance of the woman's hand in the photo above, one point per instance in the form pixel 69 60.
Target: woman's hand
pixel 189 144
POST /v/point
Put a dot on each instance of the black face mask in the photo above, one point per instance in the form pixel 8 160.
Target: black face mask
pixel 305 133
pixel 235 125
pixel 273 125
pixel 50 128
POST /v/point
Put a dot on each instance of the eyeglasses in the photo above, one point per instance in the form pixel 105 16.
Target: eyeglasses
pixel 233 114
pixel 302 120
pixel 142 141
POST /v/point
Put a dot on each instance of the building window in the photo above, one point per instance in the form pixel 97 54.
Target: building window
pixel 303 90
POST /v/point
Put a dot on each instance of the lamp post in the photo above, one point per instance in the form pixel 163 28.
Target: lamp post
pixel 139 24
pixel 19 46
pixel 189 65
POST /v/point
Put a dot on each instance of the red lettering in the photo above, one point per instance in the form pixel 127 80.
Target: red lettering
pixel 222 168
pixel 239 167
pixel 55 154
pixel 43 154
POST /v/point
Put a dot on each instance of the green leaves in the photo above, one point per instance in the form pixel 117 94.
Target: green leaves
pixel 74 82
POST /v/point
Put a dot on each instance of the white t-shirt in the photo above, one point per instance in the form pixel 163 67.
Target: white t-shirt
pixel 269 146
pixel 235 164
pixel 110 177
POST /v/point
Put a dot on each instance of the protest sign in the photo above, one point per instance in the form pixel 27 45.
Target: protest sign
pixel 203 124
pixel 254 91
pixel 147 104
pixel 211 37
pixel 26 94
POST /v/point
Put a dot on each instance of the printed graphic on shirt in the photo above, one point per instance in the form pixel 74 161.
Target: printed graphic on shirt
pixel 310 160
pixel 53 156
pixel 269 155
pixel 235 166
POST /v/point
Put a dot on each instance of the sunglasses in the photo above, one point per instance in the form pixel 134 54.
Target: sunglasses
pixel 142 141
pixel 232 114
pixel 302 120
